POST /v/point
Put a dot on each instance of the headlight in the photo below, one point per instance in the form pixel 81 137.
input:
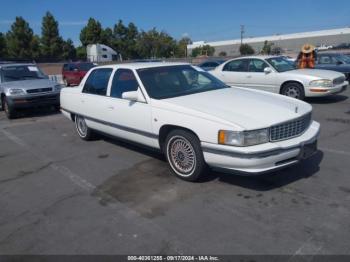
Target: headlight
pixel 321 83
pixel 16 91
pixel 244 138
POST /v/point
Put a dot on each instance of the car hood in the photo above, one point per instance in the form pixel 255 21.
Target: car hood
pixel 248 109
pixel 29 84
pixel 318 73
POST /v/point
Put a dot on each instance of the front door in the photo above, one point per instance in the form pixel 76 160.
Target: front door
pixel 131 120
pixel 256 77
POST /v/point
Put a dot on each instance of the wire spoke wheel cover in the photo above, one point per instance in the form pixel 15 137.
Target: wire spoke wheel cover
pixel 81 126
pixel 181 155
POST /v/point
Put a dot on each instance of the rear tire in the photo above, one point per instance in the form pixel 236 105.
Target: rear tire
pixel 294 90
pixel 9 111
pixel 185 156
pixel 84 132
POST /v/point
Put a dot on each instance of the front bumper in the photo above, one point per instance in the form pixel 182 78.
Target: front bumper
pixel 264 157
pixel 326 91
pixel 21 102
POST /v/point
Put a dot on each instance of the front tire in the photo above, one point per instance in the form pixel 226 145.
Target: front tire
pixel 294 90
pixel 84 132
pixel 9 111
pixel 184 155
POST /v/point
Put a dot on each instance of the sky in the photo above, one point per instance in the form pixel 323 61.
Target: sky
pixel 201 20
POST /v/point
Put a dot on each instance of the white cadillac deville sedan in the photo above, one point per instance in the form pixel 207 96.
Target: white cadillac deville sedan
pixel 278 75
pixel 194 118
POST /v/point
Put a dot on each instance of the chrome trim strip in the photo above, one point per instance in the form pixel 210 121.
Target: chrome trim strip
pixel 124 128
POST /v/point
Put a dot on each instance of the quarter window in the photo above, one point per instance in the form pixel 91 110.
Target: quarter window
pixel 236 66
pixel 97 81
pixel 123 81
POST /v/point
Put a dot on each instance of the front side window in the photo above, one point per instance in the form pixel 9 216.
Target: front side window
pixel 281 64
pixel 22 72
pixel 236 66
pixel 97 82
pixel 174 81
pixel 257 65
pixel 123 81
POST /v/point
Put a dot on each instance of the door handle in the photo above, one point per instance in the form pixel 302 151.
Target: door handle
pixel 110 107
pixel 249 76
pixel 83 101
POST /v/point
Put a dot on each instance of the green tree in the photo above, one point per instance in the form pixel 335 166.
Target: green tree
pixel 246 49
pixel 20 40
pixel 68 50
pixel 205 50
pixel 81 52
pixel 107 37
pixel 222 53
pixel 3 50
pixel 124 39
pixel 266 50
pixel 154 44
pixel 181 47
pixel 51 42
pixel 91 33
pixel 35 45
pixel 131 39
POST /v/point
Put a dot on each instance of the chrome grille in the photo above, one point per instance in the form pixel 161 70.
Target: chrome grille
pixel 39 90
pixel 339 80
pixel 290 129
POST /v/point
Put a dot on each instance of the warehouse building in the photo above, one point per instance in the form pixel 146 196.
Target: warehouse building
pixel 289 43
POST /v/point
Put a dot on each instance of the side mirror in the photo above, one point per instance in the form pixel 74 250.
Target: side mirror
pixel 267 70
pixel 75 70
pixel 134 96
pixel 339 63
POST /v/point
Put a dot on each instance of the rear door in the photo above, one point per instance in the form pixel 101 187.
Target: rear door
pixel 93 100
pixel 235 72
pixel 258 79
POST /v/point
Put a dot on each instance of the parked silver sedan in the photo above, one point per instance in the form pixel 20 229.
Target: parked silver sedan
pixel 26 86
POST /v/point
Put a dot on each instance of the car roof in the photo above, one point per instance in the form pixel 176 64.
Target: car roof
pixel 142 65
pixel 257 57
pixel 77 63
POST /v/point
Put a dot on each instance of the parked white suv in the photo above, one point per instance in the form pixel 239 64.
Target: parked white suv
pixel 192 117
pixel 278 75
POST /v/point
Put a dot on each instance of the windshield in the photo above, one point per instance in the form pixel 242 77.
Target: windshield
pixel 281 64
pixel 344 58
pixel 85 66
pixel 23 72
pixel 173 81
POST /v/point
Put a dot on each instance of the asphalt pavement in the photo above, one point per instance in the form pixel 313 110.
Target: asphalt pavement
pixel 62 195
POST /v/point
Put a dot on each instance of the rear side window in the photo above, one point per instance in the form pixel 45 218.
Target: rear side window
pixel 123 81
pixel 65 67
pixel 97 82
pixel 237 66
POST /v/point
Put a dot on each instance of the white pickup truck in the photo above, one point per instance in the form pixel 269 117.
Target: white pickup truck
pixel 192 117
